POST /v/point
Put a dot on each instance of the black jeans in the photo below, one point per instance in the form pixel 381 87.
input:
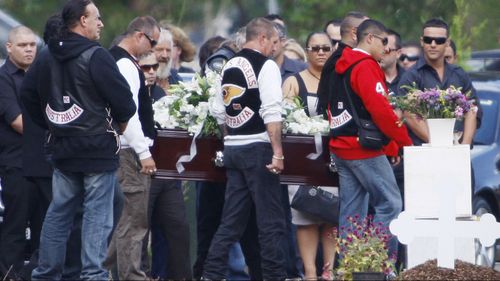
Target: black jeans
pixel 168 212
pixel 17 194
pixel 248 180
pixel 210 201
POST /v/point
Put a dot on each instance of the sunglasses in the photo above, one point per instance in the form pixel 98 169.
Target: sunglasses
pixel 404 57
pixel 152 42
pixel 438 40
pixel 335 41
pixel 384 40
pixel 148 67
pixel 316 49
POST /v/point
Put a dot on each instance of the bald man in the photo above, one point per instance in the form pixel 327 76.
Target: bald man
pixel 21 50
pixel 348 29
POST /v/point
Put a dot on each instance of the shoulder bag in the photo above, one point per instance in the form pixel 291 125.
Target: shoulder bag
pixel 317 202
pixel 369 135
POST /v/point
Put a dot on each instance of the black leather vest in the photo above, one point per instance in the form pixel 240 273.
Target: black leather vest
pixel 74 107
pixel 145 109
pixel 145 103
pixel 241 93
pixel 341 117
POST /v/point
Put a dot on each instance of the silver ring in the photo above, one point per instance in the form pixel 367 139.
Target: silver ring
pixel 151 171
pixel 274 171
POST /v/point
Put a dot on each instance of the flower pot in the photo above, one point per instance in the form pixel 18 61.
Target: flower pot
pixel 361 276
pixel 441 131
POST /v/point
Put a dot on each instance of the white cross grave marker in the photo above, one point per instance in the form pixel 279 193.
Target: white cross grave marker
pixel 446 228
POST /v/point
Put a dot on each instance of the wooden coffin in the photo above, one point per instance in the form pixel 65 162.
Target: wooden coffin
pixel 172 144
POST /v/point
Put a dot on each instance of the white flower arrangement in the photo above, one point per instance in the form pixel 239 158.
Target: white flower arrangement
pixel 188 106
pixel 296 120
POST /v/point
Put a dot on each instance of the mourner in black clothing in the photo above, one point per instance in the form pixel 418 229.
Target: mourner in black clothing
pixel 77 93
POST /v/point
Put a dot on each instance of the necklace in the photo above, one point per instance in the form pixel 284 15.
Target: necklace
pixel 312 74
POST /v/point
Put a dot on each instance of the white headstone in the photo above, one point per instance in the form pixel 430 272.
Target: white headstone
pixel 438 189
pixel 430 169
pixel 407 227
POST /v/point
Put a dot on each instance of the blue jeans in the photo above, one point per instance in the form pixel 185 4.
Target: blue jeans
pixel 70 191
pixel 368 178
pixel 237 264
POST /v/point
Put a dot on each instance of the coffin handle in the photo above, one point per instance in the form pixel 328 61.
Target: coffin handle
pixel 219 159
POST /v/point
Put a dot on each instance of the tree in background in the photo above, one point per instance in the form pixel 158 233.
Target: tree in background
pixel 463 32
pixel 203 19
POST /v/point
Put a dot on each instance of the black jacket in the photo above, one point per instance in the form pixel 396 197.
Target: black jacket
pixel 92 153
pixel 327 80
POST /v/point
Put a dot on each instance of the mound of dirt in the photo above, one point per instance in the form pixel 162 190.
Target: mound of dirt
pixel 463 271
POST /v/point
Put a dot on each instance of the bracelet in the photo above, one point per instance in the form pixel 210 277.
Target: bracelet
pixel 279 158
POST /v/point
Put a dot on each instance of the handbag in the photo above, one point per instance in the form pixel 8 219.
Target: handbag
pixel 317 202
pixel 369 135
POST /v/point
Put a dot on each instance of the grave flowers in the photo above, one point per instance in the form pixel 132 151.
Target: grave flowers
pixel 188 141
pixel 188 106
pixel 439 107
pixel 296 120
pixel 364 250
pixel 435 103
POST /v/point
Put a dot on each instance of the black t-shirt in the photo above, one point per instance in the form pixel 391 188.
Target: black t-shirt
pixel 156 92
pixel 11 79
pixel 393 86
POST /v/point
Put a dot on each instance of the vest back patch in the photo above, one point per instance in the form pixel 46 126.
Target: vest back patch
pixel 237 121
pixel 63 117
pixel 230 92
pixel 246 68
pixel 340 120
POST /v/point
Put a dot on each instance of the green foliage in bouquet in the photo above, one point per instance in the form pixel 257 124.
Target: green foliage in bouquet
pixel 434 103
pixel 364 249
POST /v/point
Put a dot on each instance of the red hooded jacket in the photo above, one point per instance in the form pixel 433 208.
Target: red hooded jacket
pixel 368 82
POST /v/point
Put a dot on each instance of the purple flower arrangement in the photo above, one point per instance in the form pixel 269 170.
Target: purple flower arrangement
pixel 363 248
pixel 435 103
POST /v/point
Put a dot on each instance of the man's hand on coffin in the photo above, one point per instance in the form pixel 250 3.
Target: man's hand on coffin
pixel 148 166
